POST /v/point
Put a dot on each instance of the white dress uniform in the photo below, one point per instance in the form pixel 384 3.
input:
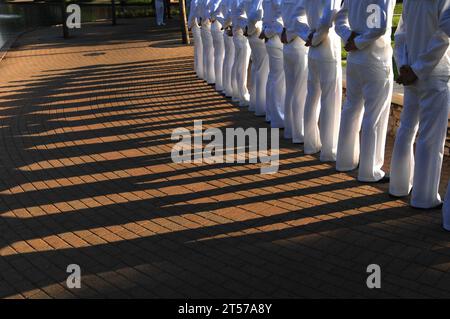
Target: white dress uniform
pixel 423 46
pixel 242 52
pixel 207 41
pixel 219 44
pixel 229 71
pixel 193 24
pixel 324 78
pixel 370 82
pixel 159 11
pixel 260 60
pixel 445 26
pixel 276 82
pixel 295 70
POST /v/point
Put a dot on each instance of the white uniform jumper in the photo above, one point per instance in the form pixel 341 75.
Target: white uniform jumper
pixel 369 88
pixel 207 41
pixel 423 46
pixel 276 83
pixel 324 78
pixel 260 60
pixel 242 53
pixel 218 42
pixel 295 56
pixel 193 24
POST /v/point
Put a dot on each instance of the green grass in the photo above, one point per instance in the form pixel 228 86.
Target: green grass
pixel 398 8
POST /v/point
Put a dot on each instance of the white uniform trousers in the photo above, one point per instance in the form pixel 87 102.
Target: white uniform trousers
pixel 276 86
pixel 228 62
pixel 242 59
pixel 296 74
pixel 369 94
pixel 446 210
pixel 198 51
pixel 425 111
pixel 323 108
pixel 159 11
pixel 208 53
pixel 259 74
pixel 219 53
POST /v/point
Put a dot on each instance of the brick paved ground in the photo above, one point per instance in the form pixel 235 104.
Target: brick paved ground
pixel 86 178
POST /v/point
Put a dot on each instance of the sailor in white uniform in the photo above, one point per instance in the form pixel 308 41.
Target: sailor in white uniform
pixel 445 26
pixel 323 102
pixel 370 81
pixel 242 53
pixel 423 56
pixel 228 72
pixel 218 42
pixel 193 24
pixel 276 82
pixel 446 210
pixel 260 60
pixel 295 56
pixel 207 41
pixel 159 12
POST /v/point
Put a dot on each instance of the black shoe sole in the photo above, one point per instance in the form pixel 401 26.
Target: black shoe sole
pixel 384 180
pixel 431 208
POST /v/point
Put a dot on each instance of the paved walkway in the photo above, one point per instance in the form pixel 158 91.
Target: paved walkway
pixel 87 179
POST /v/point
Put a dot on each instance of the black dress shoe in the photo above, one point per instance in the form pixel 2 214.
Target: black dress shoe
pixel 384 180
pixel 438 206
pixel 397 197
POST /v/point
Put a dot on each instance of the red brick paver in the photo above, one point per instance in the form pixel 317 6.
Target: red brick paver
pixel 87 179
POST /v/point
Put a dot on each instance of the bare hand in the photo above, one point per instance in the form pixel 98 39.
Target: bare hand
pixel 262 36
pixel 351 45
pixel 246 31
pixel 407 76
